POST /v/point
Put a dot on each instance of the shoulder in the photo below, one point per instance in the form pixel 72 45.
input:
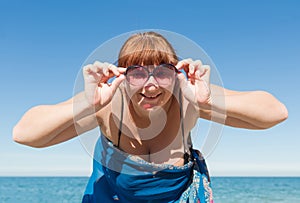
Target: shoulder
pixel 190 113
pixel 111 112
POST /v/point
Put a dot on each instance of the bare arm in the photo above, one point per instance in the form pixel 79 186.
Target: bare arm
pixel 47 125
pixel 252 110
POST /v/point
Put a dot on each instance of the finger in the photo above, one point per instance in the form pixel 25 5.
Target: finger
pixel 203 77
pixel 187 92
pixel 90 71
pixel 201 70
pixel 186 66
pixel 113 69
pixel 116 83
pixel 106 69
pixel 98 67
pixel 204 71
pixel 182 80
pixel 191 69
pixel 98 64
pixel 100 72
pixel 197 63
pixel 183 63
pixel 122 70
pixel 87 69
pixel 103 69
pixel 194 66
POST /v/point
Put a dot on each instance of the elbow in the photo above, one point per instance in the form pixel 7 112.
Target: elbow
pixel 19 137
pixel 283 113
pixel 276 111
pixel 280 115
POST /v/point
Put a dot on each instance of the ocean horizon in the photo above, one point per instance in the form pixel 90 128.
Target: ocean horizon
pixel 226 189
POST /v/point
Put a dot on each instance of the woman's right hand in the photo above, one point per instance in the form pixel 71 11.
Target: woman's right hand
pixel 98 91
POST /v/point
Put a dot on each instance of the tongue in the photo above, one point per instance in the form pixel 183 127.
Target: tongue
pixel 147 106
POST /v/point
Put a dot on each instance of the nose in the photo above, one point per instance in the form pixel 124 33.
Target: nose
pixel 151 83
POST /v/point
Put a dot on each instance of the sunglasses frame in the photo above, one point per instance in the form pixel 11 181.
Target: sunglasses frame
pixel 168 65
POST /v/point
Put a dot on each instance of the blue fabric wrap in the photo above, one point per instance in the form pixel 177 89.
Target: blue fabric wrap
pixel 120 177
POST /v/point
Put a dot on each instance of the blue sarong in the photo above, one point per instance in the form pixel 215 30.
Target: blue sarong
pixel 120 177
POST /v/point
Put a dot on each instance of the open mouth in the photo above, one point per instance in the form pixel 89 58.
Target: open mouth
pixel 150 96
pixel 150 101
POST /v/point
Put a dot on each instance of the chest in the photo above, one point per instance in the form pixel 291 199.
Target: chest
pixel 163 138
pixel 162 141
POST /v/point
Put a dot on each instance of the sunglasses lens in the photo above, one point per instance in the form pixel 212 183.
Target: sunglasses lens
pixel 164 74
pixel 137 75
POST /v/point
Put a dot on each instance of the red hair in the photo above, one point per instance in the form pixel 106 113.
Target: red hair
pixel 146 48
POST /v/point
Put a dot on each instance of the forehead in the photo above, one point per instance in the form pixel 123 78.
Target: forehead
pixel 146 57
pixel 151 68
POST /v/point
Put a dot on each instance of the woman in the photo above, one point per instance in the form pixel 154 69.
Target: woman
pixel 145 114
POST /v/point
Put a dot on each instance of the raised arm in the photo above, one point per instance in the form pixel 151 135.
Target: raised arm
pixel 251 110
pixel 47 125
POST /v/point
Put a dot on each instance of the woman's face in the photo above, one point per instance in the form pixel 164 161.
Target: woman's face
pixel 151 93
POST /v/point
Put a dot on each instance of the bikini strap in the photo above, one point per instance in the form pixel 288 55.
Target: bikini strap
pixel 181 123
pixel 182 127
pixel 121 119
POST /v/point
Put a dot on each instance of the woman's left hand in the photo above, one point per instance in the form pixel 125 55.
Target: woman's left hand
pixel 196 88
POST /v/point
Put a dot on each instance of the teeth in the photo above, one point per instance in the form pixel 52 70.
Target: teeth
pixel 151 97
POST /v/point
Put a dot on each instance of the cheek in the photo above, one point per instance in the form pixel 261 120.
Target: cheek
pixel 169 91
pixel 131 90
pixel 171 88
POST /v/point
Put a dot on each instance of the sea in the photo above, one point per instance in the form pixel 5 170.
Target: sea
pixel 225 189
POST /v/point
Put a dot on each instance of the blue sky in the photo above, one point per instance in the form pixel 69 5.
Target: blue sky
pixel 254 45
